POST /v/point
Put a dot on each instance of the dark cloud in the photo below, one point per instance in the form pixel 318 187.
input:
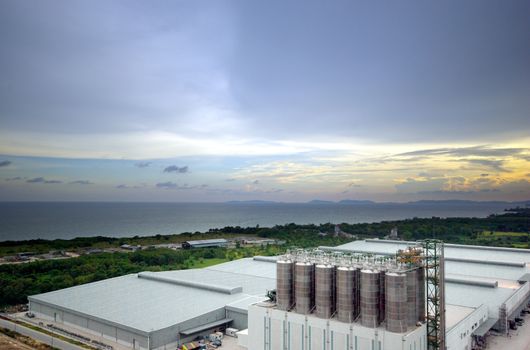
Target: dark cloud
pixel 230 180
pixel 176 169
pixel 488 163
pixel 14 178
pixel 142 164
pixel 460 193
pixel 173 186
pixel 43 181
pixel 433 79
pixel 255 182
pixel 5 163
pixel 81 182
pixel 476 151
pixel 484 175
pixel 127 187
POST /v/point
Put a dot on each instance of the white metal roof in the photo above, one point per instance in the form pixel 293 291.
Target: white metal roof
pixel 147 305
pixel 465 294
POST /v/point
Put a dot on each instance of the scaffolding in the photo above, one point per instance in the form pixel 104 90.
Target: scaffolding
pixel 435 287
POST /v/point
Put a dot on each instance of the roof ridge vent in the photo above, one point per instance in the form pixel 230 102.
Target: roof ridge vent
pixel 187 283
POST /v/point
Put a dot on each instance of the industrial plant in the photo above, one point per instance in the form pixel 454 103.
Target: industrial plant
pixel 354 300
pixel 364 295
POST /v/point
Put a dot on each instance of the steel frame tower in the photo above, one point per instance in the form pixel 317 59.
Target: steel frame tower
pixel 435 293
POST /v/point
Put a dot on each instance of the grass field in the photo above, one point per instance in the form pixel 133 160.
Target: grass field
pixel 207 262
pixel 494 234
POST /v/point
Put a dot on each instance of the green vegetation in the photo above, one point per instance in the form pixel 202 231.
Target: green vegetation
pixel 17 281
pixel 34 344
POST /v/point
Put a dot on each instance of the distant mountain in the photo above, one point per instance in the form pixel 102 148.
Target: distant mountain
pixel 448 202
pixel 457 202
pixel 319 201
pixel 256 201
pixel 353 202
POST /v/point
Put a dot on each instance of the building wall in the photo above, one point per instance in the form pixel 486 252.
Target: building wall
pixel 271 329
pixel 171 335
pixel 460 336
pixel 240 319
pixel 86 324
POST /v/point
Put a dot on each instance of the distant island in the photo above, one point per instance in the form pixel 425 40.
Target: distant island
pixel 369 202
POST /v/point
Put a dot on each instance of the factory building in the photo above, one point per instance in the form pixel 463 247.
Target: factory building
pixel 156 310
pixel 205 243
pixel 485 288
pixel 339 301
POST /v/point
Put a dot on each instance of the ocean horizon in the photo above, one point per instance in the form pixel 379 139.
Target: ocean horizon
pixel 67 220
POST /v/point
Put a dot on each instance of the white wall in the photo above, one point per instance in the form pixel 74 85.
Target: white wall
pixel 459 337
pixel 88 325
pixel 272 329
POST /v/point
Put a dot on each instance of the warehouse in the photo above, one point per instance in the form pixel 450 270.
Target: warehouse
pixel 205 243
pixel 485 288
pixel 156 310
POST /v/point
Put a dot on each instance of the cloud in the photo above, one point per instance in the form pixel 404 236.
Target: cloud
pixel 255 182
pixel 230 179
pixel 488 163
pixel 479 151
pixel 14 178
pixel 127 187
pixel 5 163
pixel 43 181
pixel 174 186
pixel 176 169
pixel 81 182
pixel 142 164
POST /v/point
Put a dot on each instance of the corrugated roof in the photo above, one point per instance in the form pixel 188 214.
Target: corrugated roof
pixel 208 241
pixel 146 305
pixel 465 294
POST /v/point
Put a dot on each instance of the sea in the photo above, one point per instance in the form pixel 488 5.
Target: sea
pixel 66 220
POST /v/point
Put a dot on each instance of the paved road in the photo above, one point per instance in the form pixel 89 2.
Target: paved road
pixel 44 338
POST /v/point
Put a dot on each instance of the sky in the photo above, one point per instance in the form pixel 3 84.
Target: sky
pixel 211 101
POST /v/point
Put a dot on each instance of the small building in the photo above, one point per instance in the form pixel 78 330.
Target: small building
pixel 131 247
pixel 259 242
pixel 205 243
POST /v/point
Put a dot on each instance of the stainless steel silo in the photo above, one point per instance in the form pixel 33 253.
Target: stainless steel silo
pixel 357 299
pixel 369 298
pixel 420 300
pixel 382 283
pixel 304 287
pixel 396 302
pixel 346 293
pixel 324 290
pixel 412 291
pixel 284 284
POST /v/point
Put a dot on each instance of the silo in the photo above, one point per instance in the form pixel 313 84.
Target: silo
pixel 346 290
pixel 284 284
pixel 325 290
pixel 420 299
pixel 304 287
pixel 381 315
pixel 412 290
pixel 357 299
pixel 369 298
pixel 396 302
